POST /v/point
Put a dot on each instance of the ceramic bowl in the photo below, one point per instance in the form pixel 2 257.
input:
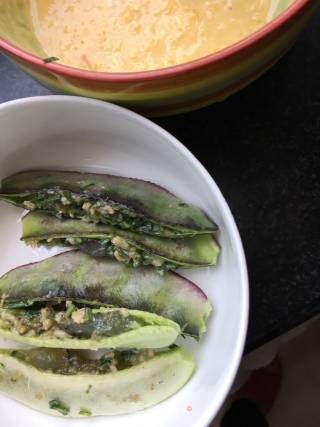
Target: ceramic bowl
pixel 166 91
pixel 74 133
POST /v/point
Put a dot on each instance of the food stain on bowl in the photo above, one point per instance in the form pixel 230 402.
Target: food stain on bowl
pixel 155 56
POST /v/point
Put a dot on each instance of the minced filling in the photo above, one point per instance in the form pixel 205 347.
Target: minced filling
pixel 118 248
pixel 71 362
pixel 68 321
pixel 90 208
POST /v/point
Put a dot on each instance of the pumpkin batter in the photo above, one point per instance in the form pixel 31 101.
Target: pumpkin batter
pixel 141 35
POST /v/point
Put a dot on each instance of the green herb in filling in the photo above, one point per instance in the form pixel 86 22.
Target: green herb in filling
pixel 85 412
pixel 88 389
pixel 66 204
pixel 70 362
pixel 57 405
pixel 70 308
pixel 69 321
pixel 88 315
pixel 122 251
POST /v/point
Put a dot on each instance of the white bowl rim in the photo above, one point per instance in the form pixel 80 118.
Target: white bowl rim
pixel 243 323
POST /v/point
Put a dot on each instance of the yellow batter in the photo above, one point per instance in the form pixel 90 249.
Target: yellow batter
pixel 140 35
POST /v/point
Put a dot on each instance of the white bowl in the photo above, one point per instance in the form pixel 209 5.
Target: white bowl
pixel 70 133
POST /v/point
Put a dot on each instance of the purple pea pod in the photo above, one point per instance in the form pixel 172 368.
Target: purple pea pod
pixel 127 203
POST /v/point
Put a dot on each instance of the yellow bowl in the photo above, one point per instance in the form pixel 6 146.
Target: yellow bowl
pixel 162 92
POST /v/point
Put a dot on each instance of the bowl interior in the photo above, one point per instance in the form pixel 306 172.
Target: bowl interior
pixel 80 134
pixel 16 27
pixel 16 24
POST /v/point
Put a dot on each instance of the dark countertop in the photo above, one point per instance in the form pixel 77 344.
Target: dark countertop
pixel 262 146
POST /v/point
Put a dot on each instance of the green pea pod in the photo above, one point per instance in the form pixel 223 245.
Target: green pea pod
pixel 84 394
pixel 125 246
pixel 83 279
pixel 128 203
pixel 86 328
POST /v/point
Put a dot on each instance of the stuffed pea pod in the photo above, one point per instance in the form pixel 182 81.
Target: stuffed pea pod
pixel 131 204
pixel 70 326
pixel 123 245
pixel 82 279
pixel 67 384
